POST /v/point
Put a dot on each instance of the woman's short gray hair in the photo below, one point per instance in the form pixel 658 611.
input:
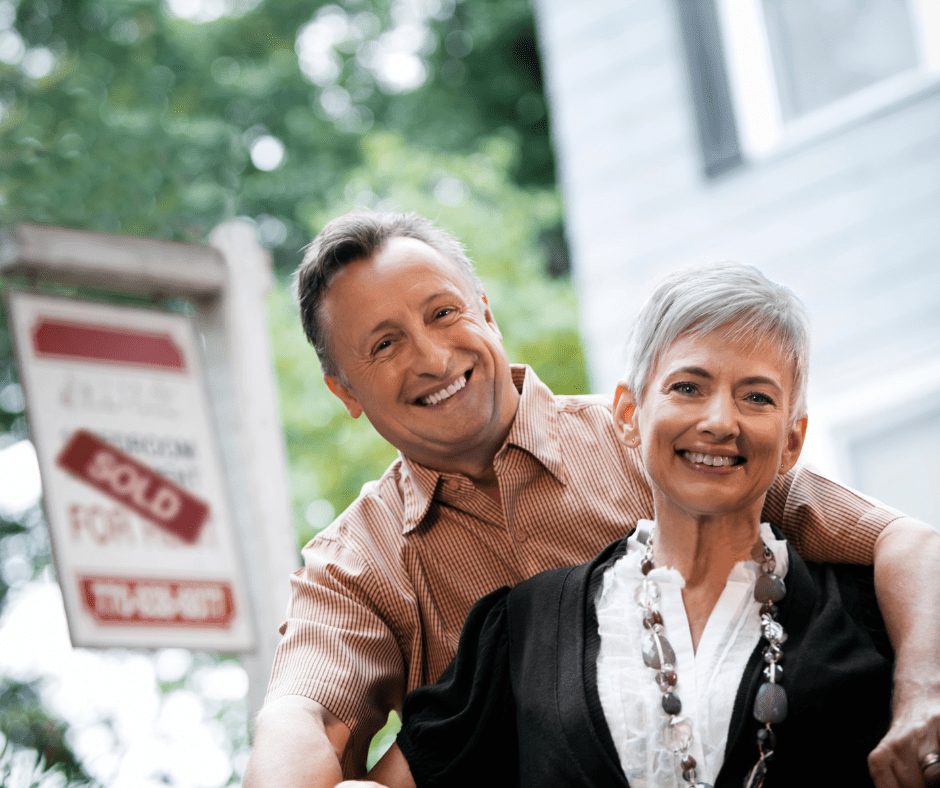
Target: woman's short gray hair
pixel 699 299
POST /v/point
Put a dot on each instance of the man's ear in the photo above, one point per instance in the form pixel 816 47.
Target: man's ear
pixel 341 391
pixel 795 440
pixel 488 316
pixel 625 421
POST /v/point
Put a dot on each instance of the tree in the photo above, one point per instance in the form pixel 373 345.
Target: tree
pixel 122 116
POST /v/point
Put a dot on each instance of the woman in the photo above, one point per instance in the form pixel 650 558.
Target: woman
pixel 700 650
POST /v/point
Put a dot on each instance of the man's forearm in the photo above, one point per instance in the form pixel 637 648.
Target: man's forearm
pixel 297 743
pixel 907 581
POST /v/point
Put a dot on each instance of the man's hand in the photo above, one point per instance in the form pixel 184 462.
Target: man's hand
pixel 297 743
pixel 914 735
pixel 907 580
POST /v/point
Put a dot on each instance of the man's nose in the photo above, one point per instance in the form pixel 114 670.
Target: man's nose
pixel 432 354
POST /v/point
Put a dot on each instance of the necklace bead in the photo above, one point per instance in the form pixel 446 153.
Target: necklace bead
pixel 657 651
pixel 677 733
pixel 671 703
pixel 770 705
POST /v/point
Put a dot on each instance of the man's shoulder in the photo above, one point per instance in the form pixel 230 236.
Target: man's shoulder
pixel 584 414
pixel 579 403
pixel 376 515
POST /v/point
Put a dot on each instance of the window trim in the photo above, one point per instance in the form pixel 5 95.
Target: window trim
pixel 761 130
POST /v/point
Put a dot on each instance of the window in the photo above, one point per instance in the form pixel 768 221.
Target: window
pixel 797 68
pixel 898 464
pixel 879 433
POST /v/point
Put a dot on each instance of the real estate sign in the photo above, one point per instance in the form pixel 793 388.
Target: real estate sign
pixel 144 545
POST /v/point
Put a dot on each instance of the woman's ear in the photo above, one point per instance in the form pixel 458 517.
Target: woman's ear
pixel 625 416
pixel 791 452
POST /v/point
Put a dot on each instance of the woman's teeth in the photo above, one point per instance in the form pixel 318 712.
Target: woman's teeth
pixel 440 396
pixel 709 459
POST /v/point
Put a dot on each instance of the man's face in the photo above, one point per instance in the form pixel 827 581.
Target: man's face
pixel 420 355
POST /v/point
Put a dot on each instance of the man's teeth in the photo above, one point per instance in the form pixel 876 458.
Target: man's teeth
pixel 440 396
pixel 709 459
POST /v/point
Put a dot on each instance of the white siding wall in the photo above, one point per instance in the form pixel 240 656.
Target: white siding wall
pixel 851 220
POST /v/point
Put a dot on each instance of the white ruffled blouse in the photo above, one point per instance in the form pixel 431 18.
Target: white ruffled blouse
pixel 707 679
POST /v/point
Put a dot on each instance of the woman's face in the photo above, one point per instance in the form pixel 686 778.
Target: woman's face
pixel 713 423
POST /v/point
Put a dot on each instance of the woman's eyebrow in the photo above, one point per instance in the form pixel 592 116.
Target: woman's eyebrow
pixel 757 380
pixel 697 371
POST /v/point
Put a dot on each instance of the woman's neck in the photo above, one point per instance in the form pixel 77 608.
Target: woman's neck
pixel 704 550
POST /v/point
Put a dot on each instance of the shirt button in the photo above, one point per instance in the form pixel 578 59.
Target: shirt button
pixel 521 535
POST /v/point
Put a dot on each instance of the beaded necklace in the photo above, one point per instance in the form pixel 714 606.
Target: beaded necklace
pixel 770 706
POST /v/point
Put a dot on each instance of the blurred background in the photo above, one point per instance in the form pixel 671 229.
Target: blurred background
pixel 579 150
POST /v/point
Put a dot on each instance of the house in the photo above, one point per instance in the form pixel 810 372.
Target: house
pixel 800 136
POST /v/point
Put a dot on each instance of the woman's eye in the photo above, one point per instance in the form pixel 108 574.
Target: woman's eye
pixel 443 312
pixel 385 343
pixel 760 399
pixel 684 388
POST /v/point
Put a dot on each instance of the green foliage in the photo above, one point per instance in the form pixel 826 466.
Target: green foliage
pixel 144 124
pixel 28 729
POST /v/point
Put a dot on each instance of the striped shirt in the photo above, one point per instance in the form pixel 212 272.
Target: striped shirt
pixel 378 607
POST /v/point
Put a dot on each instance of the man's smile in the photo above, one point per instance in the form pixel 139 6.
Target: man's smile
pixel 445 393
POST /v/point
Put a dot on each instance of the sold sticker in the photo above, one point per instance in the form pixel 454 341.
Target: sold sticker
pixel 130 482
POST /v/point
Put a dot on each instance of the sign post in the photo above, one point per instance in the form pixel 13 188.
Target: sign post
pixel 197 465
pixel 145 548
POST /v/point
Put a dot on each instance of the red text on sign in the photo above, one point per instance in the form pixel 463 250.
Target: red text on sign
pixel 121 600
pixel 130 482
pixel 125 481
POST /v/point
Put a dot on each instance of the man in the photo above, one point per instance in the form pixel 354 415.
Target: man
pixel 498 480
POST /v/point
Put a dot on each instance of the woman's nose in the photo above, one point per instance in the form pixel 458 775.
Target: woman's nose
pixel 720 418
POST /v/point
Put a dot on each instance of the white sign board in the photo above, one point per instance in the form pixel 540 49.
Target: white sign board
pixel 143 541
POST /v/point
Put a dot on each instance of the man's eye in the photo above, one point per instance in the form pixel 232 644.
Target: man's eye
pixel 684 388
pixel 385 343
pixel 443 312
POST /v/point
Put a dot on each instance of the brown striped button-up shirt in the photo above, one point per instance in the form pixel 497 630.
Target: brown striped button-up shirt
pixel 377 609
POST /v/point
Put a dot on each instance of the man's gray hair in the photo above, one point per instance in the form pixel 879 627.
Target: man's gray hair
pixel 358 235
pixel 699 299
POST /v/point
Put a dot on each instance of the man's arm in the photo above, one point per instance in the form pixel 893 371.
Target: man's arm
pixel 827 522
pixel 907 581
pixel 297 743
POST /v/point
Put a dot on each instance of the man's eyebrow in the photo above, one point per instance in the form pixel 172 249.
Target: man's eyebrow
pixel 380 327
pixel 435 295
pixel 390 322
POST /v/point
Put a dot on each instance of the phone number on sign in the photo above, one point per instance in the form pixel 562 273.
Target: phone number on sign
pixel 114 600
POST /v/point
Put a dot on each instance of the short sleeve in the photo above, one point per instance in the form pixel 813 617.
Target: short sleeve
pixel 825 521
pixel 461 731
pixel 338 647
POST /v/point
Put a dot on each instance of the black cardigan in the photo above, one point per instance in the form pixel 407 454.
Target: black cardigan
pixel 518 706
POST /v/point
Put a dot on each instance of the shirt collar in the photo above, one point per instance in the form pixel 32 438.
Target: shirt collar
pixel 534 430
